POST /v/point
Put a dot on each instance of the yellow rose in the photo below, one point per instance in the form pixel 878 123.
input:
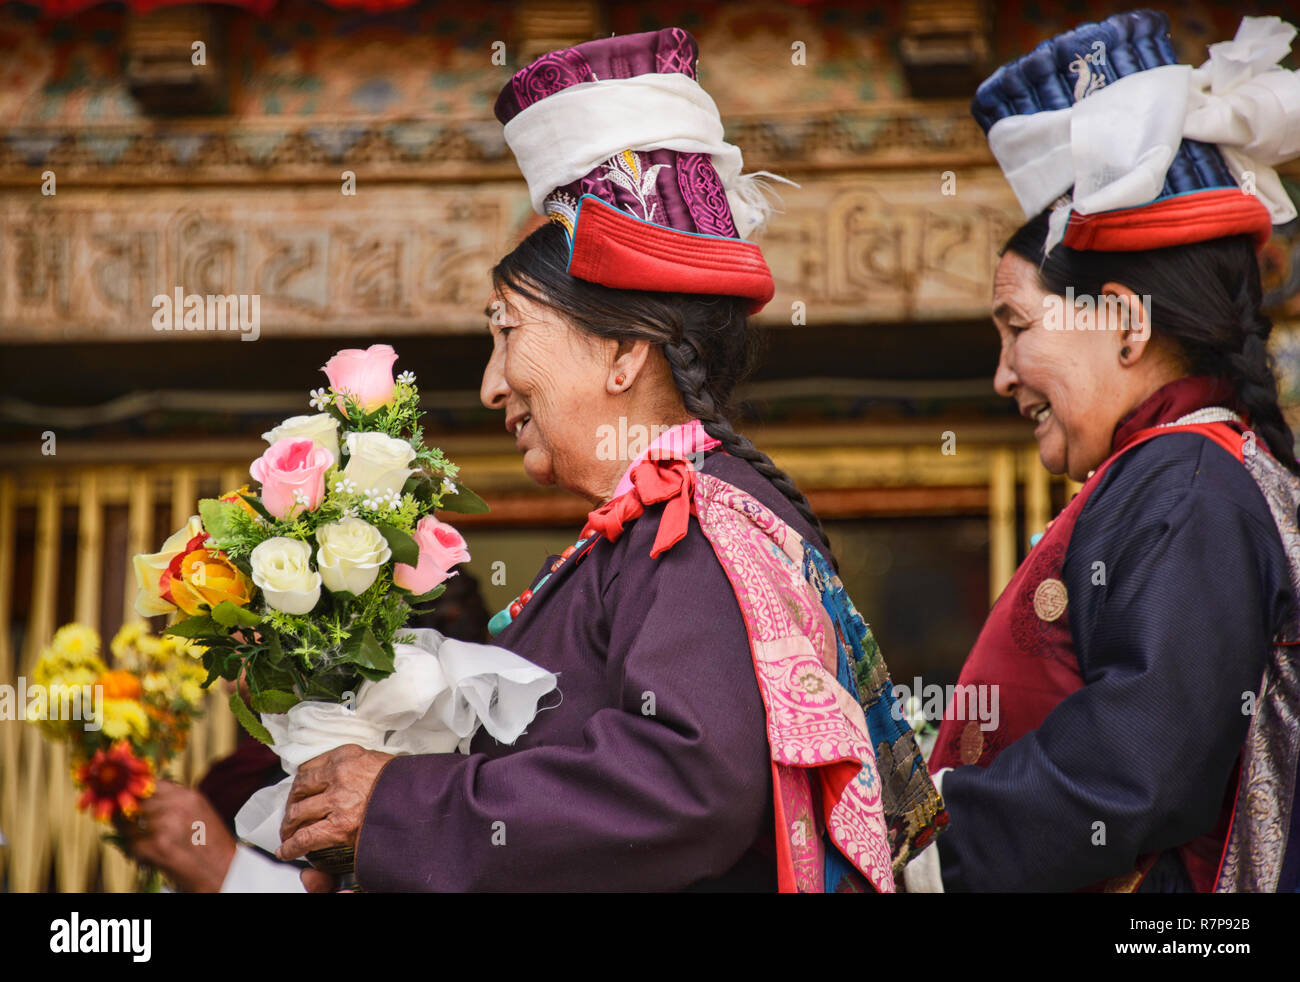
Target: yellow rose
pixel 149 601
pixel 207 576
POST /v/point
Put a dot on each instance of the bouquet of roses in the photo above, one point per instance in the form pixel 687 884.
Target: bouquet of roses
pixel 303 588
pixel 124 724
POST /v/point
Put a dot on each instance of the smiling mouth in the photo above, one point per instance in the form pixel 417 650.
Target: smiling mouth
pixel 519 426
pixel 1039 414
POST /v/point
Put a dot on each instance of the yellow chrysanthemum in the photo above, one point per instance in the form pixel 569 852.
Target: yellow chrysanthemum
pixel 75 643
pixel 125 719
pixel 126 639
pixel 52 671
pixel 192 693
pixel 156 682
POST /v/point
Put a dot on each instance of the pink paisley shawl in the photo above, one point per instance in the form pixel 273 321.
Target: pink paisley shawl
pixel 816 729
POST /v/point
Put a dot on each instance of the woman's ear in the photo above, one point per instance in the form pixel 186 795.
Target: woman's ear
pixel 628 361
pixel 1129 316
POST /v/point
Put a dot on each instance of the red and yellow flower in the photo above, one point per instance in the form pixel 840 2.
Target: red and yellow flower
pixel 198 576
pixel 235 498
pixel 116 781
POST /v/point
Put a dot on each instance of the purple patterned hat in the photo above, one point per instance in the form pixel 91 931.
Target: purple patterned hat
pixel 621 146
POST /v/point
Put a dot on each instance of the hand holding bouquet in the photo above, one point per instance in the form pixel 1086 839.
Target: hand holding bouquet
pixel 303 588
pixel 123 724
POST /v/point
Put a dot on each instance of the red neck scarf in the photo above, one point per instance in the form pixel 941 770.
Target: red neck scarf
pixel 670 480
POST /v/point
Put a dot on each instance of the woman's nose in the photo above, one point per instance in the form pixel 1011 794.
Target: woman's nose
pixel 1004 379
pixel 493 390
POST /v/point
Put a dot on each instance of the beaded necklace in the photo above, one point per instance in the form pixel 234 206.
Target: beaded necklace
pixel 502 618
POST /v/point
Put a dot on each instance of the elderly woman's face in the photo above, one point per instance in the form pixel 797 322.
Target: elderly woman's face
pixel 548 379
pixel 1068 381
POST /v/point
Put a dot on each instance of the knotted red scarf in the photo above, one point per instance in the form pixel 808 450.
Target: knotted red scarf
pixel 670 480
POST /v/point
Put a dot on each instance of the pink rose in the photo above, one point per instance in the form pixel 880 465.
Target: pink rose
pixel 292 473
pixel 366 375
pixel 441 548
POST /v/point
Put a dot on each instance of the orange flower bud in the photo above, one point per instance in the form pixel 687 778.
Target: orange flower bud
pixel 207 576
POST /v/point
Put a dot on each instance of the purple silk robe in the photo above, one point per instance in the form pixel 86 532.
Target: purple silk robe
pixel 652 773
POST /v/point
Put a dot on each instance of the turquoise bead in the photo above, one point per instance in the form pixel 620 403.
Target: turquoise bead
pixel 499 621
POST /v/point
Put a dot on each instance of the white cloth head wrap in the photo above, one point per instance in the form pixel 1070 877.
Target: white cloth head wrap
pixel 1114 146
pixel 567 135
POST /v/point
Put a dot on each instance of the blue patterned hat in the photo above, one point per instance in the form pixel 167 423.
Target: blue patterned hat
pixel 1100 123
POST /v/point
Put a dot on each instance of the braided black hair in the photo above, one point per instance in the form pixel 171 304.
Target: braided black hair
pixel 1205 297
pixel 704 338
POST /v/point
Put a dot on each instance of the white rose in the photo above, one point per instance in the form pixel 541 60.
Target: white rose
pixel 378 461
pixel 322 429
pixel 349 555
pixel 282 570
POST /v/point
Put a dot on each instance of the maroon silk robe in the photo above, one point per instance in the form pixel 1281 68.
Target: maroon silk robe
pixel 651 773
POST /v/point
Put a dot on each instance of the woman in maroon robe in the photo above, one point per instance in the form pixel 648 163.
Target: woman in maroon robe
pixel 696 745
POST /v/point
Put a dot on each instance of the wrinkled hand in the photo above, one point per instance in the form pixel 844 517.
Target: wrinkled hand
pixel 195 857
pixel 328 800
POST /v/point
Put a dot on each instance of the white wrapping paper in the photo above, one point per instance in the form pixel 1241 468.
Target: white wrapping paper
pixel 438 695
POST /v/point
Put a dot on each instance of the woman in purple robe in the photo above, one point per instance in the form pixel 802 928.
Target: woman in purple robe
pixel 725 720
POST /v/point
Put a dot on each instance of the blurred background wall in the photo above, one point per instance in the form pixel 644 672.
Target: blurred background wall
pixel 127 170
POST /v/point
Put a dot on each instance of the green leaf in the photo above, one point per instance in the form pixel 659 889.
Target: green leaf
pixel 274 701
pixel 198 626
pixel 343 421
pixel 421 485
pixel 464 501
pixel 216 517
pixel 404 548
pixel 255 502
pixel 214 673
pixel 364 650
pixel 424 598
pixel 227 614
pixel 248 720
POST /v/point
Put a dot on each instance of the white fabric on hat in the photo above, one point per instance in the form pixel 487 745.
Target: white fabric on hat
pixel 1115 146
pixel 567 135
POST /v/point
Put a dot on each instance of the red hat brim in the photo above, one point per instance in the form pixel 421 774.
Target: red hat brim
pixel 621 251
pixel 1195 216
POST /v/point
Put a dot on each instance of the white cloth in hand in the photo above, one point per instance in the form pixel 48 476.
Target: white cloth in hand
pixel 440 691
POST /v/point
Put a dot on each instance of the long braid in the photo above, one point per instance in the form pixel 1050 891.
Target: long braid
pixel 1251 372
pixel 705 339
pixel 690 373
